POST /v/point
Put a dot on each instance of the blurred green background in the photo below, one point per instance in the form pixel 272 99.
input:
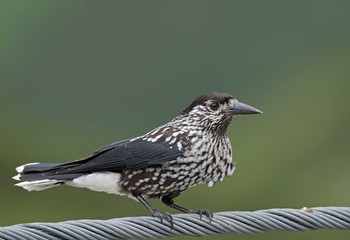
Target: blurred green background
pixel 76 75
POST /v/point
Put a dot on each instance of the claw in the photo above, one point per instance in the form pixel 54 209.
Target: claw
pixel 166 216
pixel 155 213
pixel 206 213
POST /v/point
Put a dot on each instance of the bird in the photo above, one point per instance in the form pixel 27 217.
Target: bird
pixel 193 148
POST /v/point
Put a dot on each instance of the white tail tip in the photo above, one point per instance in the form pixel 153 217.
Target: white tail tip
pixel 20 168
pixel 38 185
pixel 16 177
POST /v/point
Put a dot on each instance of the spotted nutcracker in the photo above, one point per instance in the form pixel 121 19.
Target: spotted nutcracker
pixel 191 149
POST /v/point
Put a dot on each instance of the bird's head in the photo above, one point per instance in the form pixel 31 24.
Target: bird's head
pixel 215 110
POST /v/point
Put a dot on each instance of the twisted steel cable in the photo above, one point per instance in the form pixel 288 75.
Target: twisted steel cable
pixel 185 225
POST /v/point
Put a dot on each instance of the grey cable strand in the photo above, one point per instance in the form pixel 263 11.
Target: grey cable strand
pixel 185 225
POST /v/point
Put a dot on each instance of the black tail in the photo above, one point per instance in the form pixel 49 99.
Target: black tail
pixel 40 176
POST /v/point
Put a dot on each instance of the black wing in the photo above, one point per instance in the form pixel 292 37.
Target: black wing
pixel 126 154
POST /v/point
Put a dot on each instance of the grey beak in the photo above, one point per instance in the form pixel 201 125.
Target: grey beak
pixel 242 108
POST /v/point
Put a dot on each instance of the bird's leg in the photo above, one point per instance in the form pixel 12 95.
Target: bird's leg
pixel 154 212
pixel 169 201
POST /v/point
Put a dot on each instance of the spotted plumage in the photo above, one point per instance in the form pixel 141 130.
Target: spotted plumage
pixel 191 149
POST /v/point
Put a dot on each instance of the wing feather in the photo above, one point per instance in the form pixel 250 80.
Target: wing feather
pixel 127 154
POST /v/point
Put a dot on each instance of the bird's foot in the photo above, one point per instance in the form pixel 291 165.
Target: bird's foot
pixel 163 216
pixel 206 213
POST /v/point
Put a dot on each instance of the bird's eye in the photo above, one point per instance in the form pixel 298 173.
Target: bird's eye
pixel 213 105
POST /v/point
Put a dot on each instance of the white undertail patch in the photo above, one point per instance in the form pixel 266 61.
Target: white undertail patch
pixel 100 182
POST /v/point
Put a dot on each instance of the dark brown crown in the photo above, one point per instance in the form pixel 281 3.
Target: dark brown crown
pixel 219 97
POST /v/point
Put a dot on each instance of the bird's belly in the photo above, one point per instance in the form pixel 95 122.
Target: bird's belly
pixel 171 179
pixel 157 181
